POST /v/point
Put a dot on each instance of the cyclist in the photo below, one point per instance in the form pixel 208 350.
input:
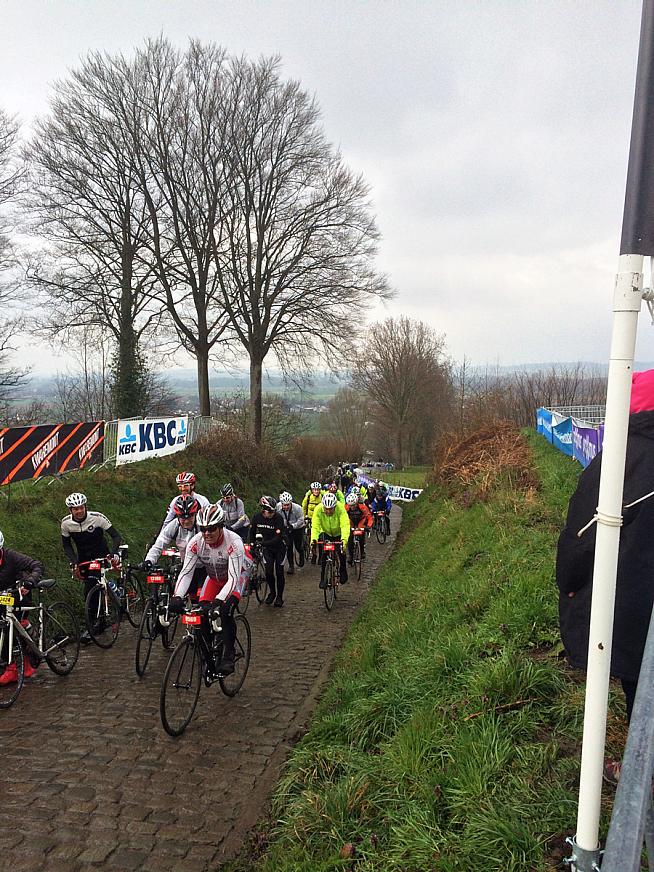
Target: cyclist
pixel 331 523
pixel 372 493
pixel 294 522
pixel 269 524
pixel 86 531
pixel 361 518
pixel 333 488
pixel 186 483
pixel 312 499
pixel 235 517
pixel 219 553
pixel 22 572
pixel 382 503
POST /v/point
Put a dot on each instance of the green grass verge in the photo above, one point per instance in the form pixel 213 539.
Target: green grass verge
pixel 448 738
pixel 411 476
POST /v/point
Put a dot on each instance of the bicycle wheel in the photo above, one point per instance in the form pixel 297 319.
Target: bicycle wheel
pixel 60 638
pixel 168 633
pixel 102 614
pixel 330 590
pixel 380 529
pixel 231 684
pixel 134 599
pixel 244 601
pixel 356 556
pixel 9 692
pixel 147 632
pixel 180 688
pixel 259 583
pixel 307 549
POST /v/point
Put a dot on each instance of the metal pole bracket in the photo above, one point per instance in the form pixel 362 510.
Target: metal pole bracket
pixel 582 860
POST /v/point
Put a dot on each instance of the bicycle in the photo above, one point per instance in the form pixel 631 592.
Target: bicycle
pixel 107 602
pixel 357 533
pixel 54 638
pixel 191 663
pixel 156 619
pixel 380 527
pixel 332 571
pixel 258 581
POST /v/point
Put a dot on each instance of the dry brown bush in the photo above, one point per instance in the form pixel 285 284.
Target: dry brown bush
pixel 314 454
pixel 471 467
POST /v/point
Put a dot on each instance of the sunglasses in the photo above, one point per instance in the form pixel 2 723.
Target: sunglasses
pixel 213 529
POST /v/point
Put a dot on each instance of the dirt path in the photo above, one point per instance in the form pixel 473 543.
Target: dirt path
pixel 89 779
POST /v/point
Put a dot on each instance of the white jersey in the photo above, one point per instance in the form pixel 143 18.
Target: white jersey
pixel 170 514
pixel 223 563
pixel 172 532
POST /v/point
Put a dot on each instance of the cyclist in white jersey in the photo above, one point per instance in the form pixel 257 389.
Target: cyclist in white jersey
pixel 221 554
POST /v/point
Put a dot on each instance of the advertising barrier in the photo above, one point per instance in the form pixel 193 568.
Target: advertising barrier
pixel 31 452
pixel 576 438
pixel 141 438
pixel 562 436
pixel 395 491
pixel 544 422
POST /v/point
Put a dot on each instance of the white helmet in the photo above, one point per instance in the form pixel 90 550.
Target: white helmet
pixel 355 489
pixel 316 485
pixel 285 498
pixel 210 518
pixel 76 501
pixel 2 540
pixel 352 499
pixel 329 501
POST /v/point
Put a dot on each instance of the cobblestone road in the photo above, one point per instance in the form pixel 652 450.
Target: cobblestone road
pixel 89 779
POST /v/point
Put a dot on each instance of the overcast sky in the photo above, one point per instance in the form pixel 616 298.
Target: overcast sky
pixel 494 136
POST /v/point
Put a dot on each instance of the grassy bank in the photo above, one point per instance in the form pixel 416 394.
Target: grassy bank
pixel 135 497
pixel 449 736
pixel 410 476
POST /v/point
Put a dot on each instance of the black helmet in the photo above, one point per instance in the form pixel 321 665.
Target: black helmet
pixel 227 490
pixel 268 503
pixel 186 506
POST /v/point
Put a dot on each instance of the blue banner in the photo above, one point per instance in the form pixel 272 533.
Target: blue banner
pixel 544 423
pixel 562 436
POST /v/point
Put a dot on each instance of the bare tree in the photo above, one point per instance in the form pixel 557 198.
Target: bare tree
pixel 408 381
pixel 11 177
pixel 174 116
pixel 295 237
pixel 95 266
pixel 347 419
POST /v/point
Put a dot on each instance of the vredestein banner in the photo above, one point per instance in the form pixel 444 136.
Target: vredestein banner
pixel 150 437
pixel 31 452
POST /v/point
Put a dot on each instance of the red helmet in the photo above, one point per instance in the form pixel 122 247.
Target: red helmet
pixel 186 506
pixel 185 478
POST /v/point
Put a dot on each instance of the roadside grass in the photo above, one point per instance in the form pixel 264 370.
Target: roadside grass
pixel 448 738
pixel 135 498
pixel 410 476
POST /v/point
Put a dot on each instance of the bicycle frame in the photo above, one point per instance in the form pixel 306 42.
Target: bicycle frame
pixel 14 626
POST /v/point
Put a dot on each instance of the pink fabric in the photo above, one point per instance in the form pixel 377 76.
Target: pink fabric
pixel 642 392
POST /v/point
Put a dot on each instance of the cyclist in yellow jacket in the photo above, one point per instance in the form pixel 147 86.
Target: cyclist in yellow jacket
pixel 330 523
pixel 312 499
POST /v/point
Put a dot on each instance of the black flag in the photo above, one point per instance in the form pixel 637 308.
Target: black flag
pixel 638 219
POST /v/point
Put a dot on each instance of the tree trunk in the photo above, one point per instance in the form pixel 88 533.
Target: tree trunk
pixel 256 369
pixel 203 381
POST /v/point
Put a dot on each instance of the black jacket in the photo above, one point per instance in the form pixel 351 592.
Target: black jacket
pixel 16 567
pixel 272 530
pixel 635 578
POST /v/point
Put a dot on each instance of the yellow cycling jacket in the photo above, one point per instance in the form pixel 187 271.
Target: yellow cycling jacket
pixel 334 525
pixel 310 502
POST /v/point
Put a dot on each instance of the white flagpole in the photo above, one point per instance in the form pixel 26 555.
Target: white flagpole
pixel 626 306
pixel 637 240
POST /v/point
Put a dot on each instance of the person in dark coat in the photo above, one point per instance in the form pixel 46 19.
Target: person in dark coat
pixel 635 576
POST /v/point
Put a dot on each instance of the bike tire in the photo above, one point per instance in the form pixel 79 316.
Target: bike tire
pixel 261 585
pixel 134 599
pixel 329 591
pixel 102 618
pixel 9 693
pixel 231 684
pixel 60 638
pixel 183 673
pixel 168 633
pixel 356 555
pixel 244 601
pixel 380 531
pixel 146 634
